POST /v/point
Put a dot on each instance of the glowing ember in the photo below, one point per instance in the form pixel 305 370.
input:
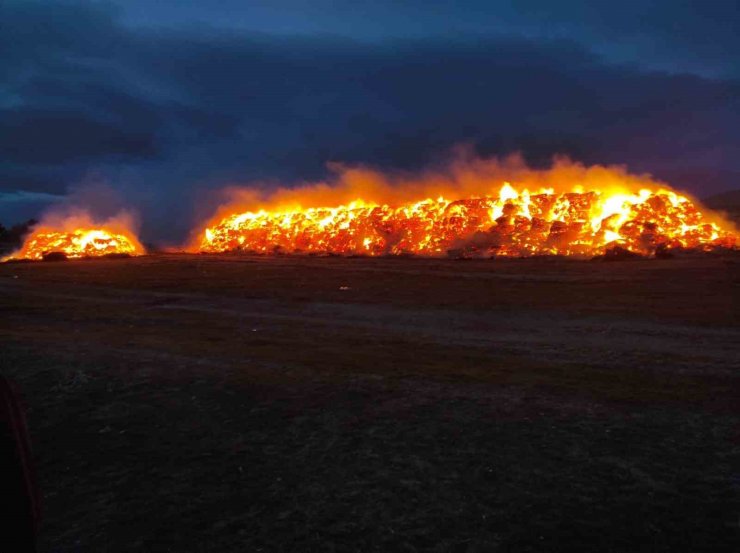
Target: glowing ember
pixel 510 223
pixel 78 242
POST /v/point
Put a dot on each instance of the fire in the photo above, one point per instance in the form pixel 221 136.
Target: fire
pixel 505 220
pixel 79 237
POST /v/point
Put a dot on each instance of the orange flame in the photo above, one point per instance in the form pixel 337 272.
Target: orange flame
pixel 77 236
pixel 593 209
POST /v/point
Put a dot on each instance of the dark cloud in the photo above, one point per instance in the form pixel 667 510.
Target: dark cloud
pixel 697 36
pixel 53 137
pixel 164 114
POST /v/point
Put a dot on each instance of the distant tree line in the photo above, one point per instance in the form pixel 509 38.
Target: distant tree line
pixel 12 238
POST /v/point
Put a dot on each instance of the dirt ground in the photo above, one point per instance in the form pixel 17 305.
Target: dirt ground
pixel 234 403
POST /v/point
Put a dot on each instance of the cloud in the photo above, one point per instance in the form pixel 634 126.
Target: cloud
pixel 166 115
pixel 23 196
pixel 48 137
pixel 689 36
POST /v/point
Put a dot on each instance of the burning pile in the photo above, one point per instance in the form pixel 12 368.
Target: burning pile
pixel 509 223
pixel 79 237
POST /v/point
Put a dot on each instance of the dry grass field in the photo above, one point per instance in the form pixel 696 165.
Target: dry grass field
pixel 235 403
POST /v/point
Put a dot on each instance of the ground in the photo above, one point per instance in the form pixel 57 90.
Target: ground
pixel 228 403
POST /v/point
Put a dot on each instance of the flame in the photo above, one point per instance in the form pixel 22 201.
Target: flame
pixel 77 236
pixel 603 208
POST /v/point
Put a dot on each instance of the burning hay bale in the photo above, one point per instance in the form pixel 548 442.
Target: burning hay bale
pixel 51 245
pixel 77 237
pixel 512 223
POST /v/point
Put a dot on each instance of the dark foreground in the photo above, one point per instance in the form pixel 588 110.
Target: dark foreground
pixel 185 403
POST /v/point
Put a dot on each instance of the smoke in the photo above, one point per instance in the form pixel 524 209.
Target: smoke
pixel 90 205
pixel 463 175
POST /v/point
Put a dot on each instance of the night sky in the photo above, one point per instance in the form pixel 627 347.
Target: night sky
pixel 163 101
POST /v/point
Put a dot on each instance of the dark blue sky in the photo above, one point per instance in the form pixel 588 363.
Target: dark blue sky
pixel 163 100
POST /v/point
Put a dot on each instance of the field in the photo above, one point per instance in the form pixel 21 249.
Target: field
pixel 233 403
